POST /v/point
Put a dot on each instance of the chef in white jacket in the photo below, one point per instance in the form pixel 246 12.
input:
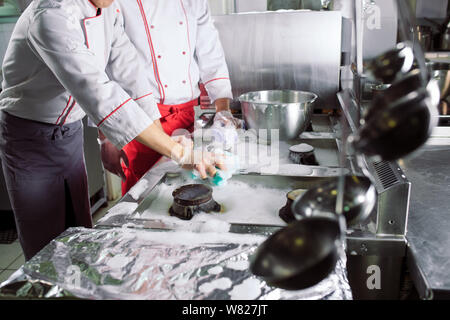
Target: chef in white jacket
pixel 179 47
pixel 66 59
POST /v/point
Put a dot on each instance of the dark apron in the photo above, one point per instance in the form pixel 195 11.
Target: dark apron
pixel 46 178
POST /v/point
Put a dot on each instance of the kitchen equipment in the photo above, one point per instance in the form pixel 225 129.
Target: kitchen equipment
pixel 289 111
pixel 400 128
pixel 440 72
pixel 303 154
pixel 392 64
pixel 360 198
pixel 424 35
pixel 299 255
pixel 444 42
pixel 286 213
pixel 411 82
pixel 191 199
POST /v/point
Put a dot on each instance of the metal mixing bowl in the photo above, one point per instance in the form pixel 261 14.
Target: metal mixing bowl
pixel 289 111
pixel 440 72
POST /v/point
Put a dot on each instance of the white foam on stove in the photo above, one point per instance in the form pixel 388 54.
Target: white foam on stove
pixel 250 289
pixel 138 189
pixel 187 238
pixel 221 284
pixel 122 208
pixel 238 265
pixel 242 203
pixel 215 270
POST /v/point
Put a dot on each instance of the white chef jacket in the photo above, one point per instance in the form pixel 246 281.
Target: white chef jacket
pixel 60 63
pixel 179 45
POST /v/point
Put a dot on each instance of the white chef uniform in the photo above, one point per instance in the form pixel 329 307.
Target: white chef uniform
pixel 63 44
pixel 60 63
pixel 181 48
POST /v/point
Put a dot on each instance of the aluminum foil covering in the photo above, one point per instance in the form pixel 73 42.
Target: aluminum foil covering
pixel 123 263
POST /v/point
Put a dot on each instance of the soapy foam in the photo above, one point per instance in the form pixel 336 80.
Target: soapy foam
pixel 181 237
pixel 241 203
pixel 238 265
pixel 303 147
pixel 221 284
pixel 138 189
pixel 215 270
pixel 122 208
pixel 250 289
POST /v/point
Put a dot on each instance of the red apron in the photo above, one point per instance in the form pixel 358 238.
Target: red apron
pixel 142 158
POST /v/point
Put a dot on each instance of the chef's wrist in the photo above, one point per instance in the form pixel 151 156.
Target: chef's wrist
pixel 177 153
pixel 222 104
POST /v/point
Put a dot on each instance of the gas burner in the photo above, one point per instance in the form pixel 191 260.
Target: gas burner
pixel 303 154
pixel 286 213
pixel 191 199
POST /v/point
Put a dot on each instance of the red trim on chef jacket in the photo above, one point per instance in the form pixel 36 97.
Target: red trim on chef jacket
pixel 152 52
pixel 190 51
pixel 70 110
pixel 99 13
pixel 215 80
pixel 68 102
pixel 143 96
pixel 100 123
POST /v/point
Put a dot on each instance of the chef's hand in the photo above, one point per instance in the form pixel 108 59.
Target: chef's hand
pixel 112 157
pixel 225 119
pixel 203 162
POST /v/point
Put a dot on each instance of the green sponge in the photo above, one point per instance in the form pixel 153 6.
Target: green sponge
pixel 221 177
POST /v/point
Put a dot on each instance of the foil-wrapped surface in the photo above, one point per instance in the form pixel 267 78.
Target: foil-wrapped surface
pixel 123 263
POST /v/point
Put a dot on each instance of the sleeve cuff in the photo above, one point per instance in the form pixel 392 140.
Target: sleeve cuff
pixel 148 104
pixel 219 88
pixel 125 123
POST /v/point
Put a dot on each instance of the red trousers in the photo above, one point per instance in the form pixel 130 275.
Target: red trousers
pixel 142 158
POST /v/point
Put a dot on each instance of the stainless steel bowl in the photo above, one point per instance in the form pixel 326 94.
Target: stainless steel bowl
pixel 289 111
pixel 440 72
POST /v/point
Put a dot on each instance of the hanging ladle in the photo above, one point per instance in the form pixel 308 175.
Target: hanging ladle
pixel 306 251
pixel 360 198
pixel 299 255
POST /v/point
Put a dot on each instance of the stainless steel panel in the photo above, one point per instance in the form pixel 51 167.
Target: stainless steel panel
pixel 428 233
pixel 296 50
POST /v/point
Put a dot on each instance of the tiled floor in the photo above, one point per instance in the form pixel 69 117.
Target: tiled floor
pixel 11 256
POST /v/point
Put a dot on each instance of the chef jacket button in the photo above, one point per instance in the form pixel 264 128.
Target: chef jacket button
pixel 184 52
pixel 159 57
pixel 152 26
pixel 165 86
pixel 184 81
pixel 181 22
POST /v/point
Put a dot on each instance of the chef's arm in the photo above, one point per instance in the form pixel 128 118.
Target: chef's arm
pixel 222 104
pixel 63 50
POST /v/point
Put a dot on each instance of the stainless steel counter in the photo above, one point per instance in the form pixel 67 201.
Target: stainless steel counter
pixel 428 234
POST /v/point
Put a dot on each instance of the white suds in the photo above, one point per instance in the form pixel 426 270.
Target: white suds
pixel 250 289
pixel 138 189
pixel 303 147
pixel 238 265
pixel 221 284
pixel 122 208
pixel 215 270
pixel 241 203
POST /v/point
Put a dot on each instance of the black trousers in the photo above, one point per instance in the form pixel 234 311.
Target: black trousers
pixel 46 178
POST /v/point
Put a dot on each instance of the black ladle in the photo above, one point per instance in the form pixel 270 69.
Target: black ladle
pixel 360 198
pixel 392 64
pixel 299 255
pixel 402 127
